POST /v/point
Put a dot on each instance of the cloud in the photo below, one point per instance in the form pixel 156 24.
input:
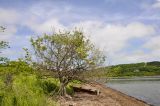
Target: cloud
pixel 152 54
pixel 47 26
pixel 8 33
pixel 16 44
pixel 153 43
pixel 8 16
pixel 8 19
pixel 114 37
pixel 110 37
pixel 137 56
pixel 156 4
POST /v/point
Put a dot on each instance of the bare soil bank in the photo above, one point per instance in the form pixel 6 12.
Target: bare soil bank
pixel 107 97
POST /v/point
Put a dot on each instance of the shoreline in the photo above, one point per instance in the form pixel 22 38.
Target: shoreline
pixel 131 96
pixel 107 97
pixel 133 77
pixel 119 92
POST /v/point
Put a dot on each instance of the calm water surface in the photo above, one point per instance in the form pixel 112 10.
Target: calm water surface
pixel 146 88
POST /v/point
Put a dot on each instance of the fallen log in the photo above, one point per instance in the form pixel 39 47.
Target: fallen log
pixel 86 89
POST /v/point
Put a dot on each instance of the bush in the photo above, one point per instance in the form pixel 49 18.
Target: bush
pixel 50 85
pixel 25 90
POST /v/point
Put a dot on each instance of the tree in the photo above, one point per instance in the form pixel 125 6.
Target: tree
pixel 68 54
pixel 3 45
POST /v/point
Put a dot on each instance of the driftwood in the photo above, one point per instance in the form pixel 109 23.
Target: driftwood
pixel 86 89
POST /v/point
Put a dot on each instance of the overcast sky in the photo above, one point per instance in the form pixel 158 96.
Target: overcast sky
pixel 127 30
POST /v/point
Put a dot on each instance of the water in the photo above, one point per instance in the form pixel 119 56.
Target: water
pixel 146 88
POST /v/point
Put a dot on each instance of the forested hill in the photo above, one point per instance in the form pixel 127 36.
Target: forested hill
pixel 136 69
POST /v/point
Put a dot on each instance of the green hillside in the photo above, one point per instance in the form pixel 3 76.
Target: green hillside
pixel 136 69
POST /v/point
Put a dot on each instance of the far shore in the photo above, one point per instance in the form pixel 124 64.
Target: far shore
pixel 130 77
pixel 133 78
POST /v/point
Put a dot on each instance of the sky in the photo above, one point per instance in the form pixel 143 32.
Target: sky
pixel 128 31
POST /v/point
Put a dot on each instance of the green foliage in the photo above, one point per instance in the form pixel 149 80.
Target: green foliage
pixel 3 45
pixel 21 86
pixel 69 90
pixel 2 29
pixel 66 46
pixel 24 91
pixel 138 69
pixel 76 82
pixel 15 67
pixel 67 54
pixel 50 85
pixel 126 70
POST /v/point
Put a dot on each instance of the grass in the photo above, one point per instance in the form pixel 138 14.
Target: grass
pixel 22 86
pixel 25 90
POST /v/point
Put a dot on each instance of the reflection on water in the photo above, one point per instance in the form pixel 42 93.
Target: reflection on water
pixel 146 88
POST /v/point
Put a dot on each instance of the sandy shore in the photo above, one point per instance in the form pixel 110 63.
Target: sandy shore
pixel 107 97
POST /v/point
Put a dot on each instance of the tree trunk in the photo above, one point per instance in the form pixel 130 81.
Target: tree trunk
pixel 62 89
pixel 63 83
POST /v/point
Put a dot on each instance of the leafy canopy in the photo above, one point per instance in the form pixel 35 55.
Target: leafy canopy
pixel 68 54
pixel 69 48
